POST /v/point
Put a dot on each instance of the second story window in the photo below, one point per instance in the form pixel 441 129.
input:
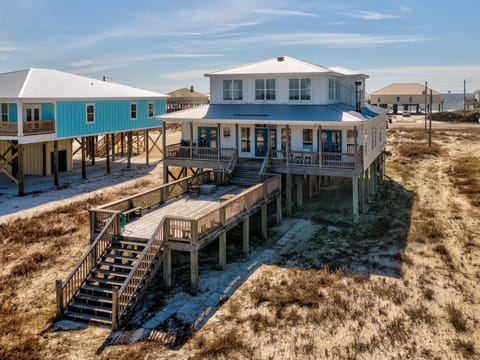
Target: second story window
pixel 308 139
pixel 334 89
pixel 90 113
pixel 150 110
pixel 4 113
pixel 133 111
pixel 299 89
pixel 265 89
pixel 232 89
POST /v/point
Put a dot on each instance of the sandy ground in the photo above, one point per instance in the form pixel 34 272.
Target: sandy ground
pixel 398 294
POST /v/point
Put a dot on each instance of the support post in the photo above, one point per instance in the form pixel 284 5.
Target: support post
pixel 279 209
pixel 55 164
pixel 59 295
pixel 113 147
pixel 147 152
pixel 361 193
pixel 264 222
pixel 107 152
pixel 20 177
pixel 355 200
pixel 92 149
pixel 115 308
pixel 84 159
pixel 310 186
pixel 167 268
pixel 288 194
pixel 299 190
pixel 194 272
pixel 44 159
pixel 164 148
pixel 122 146
pixel 130 146
pixel 222 250
pixel 246 235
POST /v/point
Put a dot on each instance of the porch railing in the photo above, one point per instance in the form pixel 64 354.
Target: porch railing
pixel 323 159
pixel 177 151
pixel 8 128
pixel 38 127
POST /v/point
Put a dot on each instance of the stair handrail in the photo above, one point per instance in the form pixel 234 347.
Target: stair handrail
pixel 231 164
pixel 265 165
pixel 87 262
pixel 134 280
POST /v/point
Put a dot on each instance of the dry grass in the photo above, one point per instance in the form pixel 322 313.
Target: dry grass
pixel 466 348
pixel 419 150
pixel 457 318
pixel 465 175
pixel 228 344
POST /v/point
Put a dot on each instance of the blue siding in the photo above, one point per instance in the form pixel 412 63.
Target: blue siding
pixel 47 112
pixel 12 112
pixel 110 116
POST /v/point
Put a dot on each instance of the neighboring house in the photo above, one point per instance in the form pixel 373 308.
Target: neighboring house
pixel 43 110
pixel 406 96
pixel 184 98
pixel 296 118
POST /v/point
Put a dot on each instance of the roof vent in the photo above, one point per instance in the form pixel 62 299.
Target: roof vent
pixel 280 58
pixel 192 88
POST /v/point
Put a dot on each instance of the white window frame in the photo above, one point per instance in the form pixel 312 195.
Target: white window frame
pixel 4 115
pixel 334 89
pixel 266 88
pixel 87 113
pixel 152 104
pixel 131 111
pixel 245 139
pixel 307 143
pixel 232 90
pixel 299 91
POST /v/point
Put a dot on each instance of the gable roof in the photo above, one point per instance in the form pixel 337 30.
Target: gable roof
pixel 186 93
pixel 285 65
pixel 54 84
pixel 403 89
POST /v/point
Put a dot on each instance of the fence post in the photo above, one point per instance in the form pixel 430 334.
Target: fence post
pixel 115 308
pixel 59 291
pixel 92 224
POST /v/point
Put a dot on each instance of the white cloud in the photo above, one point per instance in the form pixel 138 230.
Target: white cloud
pixel 186 75
pixel 7 49
pixel 284 12
pixel 369 15
pixel 95 69
pixel 82 62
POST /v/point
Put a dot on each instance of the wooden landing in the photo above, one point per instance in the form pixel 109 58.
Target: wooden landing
pixel 193 207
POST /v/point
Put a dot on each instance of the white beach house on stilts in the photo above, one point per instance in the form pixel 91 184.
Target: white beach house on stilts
pixel 302 120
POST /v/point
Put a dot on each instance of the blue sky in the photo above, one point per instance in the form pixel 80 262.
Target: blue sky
pixel 165 45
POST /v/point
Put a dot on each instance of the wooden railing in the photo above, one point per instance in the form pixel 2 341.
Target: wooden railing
pixel 67 289
pixel 38 127
pixel 123 298
pixel 177 151
pixel 309 158
pixel 8 127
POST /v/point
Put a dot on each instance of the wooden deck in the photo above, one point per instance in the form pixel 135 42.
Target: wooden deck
pixel 192 207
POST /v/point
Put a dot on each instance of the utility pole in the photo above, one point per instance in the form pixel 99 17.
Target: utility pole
pixel 464 97
pixel 430 123
pixel 425 110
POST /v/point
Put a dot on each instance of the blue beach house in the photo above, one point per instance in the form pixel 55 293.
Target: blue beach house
pixel 43 111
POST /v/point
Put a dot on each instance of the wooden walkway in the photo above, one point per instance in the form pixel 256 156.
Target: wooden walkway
pixel 192 207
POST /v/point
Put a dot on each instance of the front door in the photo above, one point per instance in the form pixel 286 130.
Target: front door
pixel 261 142
pixel 332 141
pixel 207 137
pixel 32 112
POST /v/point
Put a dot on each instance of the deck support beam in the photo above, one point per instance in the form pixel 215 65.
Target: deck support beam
pixel 84 158
pixel 167 268
pixel 355 200
pixel 55 164
pixel 194 272
pixel 107 152
pixel 264 222
pixel 299 191
pixel 130 148
pixel 164 146
pixel 246 235
pixel 222 250
pixel 361 193
pixel 371 191
pixel 279 208
pixel 147 151
pixel 113 147
pixel 20 177
pixel 288 194
pixel 310 186
pixel 367 187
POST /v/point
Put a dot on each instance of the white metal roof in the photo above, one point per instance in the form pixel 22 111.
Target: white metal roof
pixel 284 65
pixel 54 84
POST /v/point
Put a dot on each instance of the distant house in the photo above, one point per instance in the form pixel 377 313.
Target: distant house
pixel 405 96
pixel 184 98
pixel 43 110
pixel 292 117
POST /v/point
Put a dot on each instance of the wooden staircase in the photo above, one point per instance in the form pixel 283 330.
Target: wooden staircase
pixel 93 300
pixel 247 172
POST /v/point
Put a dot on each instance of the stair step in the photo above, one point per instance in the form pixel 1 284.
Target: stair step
pixel 111 273
pixel 120 266
pixel 87 317
pixel 132 242
pixel 120 250
pixel 95 308
pixel 105 281
pixel 98 289
pixel 92 298
pixel 120 257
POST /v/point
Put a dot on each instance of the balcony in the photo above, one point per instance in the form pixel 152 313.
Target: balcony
pixel 29 127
